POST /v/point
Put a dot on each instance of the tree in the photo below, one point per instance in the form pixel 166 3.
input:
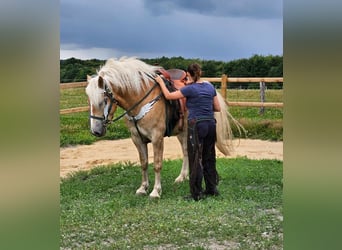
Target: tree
pixel 73 69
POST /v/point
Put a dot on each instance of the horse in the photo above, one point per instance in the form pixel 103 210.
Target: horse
pixel 129 83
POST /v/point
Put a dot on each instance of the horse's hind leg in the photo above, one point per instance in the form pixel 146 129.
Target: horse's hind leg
pixel 143 156
pixel 182 138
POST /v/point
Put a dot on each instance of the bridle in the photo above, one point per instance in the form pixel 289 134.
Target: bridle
pixel 107 92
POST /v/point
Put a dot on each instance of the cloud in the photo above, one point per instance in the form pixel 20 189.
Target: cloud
pixel 255 9
pixel 219 30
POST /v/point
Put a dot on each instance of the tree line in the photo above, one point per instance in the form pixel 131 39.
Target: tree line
pixel 75 70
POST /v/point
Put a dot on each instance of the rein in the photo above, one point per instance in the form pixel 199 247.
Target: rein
pixel 109 94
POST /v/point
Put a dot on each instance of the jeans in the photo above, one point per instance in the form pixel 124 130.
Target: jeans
pixel 202 156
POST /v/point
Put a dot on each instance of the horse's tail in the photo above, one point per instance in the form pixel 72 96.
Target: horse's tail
pixel 224 134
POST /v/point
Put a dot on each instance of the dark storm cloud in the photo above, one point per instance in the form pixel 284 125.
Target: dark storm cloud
pixel 263 9
pixel 213 29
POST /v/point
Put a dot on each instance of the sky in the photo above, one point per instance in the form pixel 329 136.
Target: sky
pixel 221 30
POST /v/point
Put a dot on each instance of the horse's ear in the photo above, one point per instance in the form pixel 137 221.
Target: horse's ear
pixel 100 82
pixel 88 78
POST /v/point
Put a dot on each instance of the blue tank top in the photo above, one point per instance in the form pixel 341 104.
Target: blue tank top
pixel 199 100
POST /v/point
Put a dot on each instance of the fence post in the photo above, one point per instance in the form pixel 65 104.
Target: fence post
pixel 262 96
pixel 224 86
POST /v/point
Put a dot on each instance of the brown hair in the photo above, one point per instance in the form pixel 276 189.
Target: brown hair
pixel 195 71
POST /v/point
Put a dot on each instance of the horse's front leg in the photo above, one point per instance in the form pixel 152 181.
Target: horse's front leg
pixel 182 138
pixel 158 149
pixel 143 156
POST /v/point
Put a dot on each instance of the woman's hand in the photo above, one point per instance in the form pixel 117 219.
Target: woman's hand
pixel 168 95
pixel 159 80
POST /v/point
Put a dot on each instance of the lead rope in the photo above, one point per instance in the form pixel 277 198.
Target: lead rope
pixel 133 107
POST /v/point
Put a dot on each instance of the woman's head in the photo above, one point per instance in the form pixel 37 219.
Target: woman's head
pixel 194 71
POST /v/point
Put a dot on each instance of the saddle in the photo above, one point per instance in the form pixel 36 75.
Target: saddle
pixel 172 79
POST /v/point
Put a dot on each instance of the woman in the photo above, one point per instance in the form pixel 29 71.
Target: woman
pixel 201 103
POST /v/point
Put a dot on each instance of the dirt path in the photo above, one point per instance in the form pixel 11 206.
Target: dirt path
pixel 103 152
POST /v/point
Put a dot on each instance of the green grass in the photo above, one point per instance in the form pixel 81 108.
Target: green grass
pixel 72 98
pixel 266 126
pixel 253 95
pixel 99 209
pixel 74 128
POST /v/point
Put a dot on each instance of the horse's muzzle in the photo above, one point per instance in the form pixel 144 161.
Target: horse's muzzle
pixel 99 133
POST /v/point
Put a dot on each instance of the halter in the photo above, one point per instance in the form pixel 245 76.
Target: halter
pixel 104 118
pixel 141 114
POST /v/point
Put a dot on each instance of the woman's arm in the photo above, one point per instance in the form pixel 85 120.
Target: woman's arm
pixel 216 104
pixel 168 95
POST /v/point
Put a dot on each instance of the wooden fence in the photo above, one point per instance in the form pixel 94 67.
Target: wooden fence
pixel 225 80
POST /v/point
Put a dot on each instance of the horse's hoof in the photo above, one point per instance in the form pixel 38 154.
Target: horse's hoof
pixel 155 194
pixel 141 191
pixel 180 178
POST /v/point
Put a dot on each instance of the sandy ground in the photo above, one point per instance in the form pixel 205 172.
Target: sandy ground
pixel 104 152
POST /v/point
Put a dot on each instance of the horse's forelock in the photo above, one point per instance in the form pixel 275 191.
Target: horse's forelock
pixel 94 91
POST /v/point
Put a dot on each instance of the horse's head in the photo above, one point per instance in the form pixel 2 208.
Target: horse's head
pixel 102 104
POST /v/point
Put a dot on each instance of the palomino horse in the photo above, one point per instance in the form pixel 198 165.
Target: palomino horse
pixel 129 83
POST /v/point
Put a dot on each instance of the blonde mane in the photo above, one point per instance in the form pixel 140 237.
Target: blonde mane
pixel 127 73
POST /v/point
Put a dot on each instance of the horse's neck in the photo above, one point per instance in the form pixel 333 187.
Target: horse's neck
pixel 128 100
